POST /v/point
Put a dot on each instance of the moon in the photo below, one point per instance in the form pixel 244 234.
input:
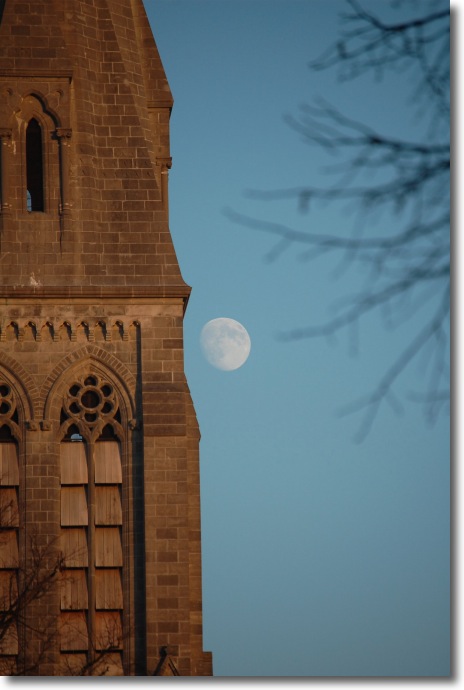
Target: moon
pixel 225 343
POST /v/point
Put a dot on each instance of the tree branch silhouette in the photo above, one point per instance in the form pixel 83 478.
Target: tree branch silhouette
pixel 27 585
pixel 375 174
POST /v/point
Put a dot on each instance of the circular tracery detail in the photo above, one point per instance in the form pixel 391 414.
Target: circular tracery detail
pixel 92 401
pixel 8 411
pixel 7 402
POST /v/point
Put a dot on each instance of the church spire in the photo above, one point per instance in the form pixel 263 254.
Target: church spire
pixel 90 75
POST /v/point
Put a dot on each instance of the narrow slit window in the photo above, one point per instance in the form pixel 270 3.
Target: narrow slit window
pixel 34 167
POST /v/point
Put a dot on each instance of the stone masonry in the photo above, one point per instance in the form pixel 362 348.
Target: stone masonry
pixel 91 351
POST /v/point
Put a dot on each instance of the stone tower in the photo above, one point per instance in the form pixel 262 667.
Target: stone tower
pixel 100 563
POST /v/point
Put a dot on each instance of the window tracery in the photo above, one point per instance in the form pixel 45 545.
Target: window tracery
pixel 92 405
pixel 9 427
pixel 91 520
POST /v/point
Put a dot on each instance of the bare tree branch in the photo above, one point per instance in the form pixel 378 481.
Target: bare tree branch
pixel 377 174
pixel 383 391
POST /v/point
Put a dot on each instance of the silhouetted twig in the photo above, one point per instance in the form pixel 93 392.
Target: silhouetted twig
pixel 407 180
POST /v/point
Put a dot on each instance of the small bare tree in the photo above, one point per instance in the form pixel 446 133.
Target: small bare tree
pixel 24 586
pixel 377 174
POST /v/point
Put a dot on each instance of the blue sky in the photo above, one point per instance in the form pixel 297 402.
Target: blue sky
pixel 321 556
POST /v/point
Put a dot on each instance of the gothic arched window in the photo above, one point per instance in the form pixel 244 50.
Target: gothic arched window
pixel 91 524
pixel 34 167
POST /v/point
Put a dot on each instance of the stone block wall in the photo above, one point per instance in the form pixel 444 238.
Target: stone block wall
pixel 90 286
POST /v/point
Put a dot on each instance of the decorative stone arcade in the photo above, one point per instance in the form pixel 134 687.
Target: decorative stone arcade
pixel 100 551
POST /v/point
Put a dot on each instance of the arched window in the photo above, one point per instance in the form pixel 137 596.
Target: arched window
pixel 91 527
pixel 34 167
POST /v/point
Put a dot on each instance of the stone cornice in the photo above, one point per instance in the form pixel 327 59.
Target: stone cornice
pixel 36 74
pixel 163 101
pixel 72 292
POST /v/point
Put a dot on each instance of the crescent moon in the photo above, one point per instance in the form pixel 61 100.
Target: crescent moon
pixel 225 343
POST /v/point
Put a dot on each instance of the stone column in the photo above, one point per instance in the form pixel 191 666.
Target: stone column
pixel 5 137
pixel 165 165
pixel 64 137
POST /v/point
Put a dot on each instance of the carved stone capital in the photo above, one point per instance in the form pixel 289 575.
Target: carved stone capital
pixel 63 132
pixel 31 425
pixel 5 133
pixel 165 163
pixel 46 425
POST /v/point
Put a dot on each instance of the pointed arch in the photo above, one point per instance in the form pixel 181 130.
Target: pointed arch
pixel 36 128
pixel 90 360
pixel 34 103
pixel 26 392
